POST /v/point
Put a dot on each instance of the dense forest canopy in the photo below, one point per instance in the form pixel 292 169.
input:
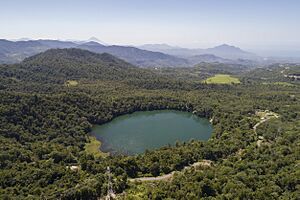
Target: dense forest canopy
pixel 45 123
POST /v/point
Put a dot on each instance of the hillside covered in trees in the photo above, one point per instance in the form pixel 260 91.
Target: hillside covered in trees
pixel 45 124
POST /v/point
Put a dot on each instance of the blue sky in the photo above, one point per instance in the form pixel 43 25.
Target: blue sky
pixel 251 24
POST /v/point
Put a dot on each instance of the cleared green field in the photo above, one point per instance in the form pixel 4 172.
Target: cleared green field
pixel 93 148
pixel 71 83
pixel 222 79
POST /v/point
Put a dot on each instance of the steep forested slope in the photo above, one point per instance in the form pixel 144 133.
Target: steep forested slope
pixel 60 65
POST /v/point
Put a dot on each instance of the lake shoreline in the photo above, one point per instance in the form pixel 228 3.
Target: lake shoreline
pixel 94 147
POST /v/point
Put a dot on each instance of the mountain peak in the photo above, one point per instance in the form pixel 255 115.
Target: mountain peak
pixel 230 52
pixel 94 39
pixel 226 46
pixel 92 43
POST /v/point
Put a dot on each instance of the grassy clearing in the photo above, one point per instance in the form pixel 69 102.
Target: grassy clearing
pixel 93 147
pixel 222 79
pixel 71 83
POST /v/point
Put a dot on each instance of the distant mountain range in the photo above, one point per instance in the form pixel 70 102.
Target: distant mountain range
pixel 136 56
pixel 224 51
pixel 161 55
pixel 13 52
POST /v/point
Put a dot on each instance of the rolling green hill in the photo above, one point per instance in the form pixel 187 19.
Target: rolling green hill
pixel 60 65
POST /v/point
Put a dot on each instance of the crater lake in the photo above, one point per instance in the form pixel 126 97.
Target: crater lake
pixel 136 132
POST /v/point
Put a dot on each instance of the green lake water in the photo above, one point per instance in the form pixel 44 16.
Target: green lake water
pixel 134 133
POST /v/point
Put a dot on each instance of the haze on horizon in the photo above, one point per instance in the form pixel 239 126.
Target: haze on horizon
pixel 262 26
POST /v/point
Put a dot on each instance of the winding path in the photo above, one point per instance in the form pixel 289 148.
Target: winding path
pixel 207 163
pixel 268 115
pixel 259 123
